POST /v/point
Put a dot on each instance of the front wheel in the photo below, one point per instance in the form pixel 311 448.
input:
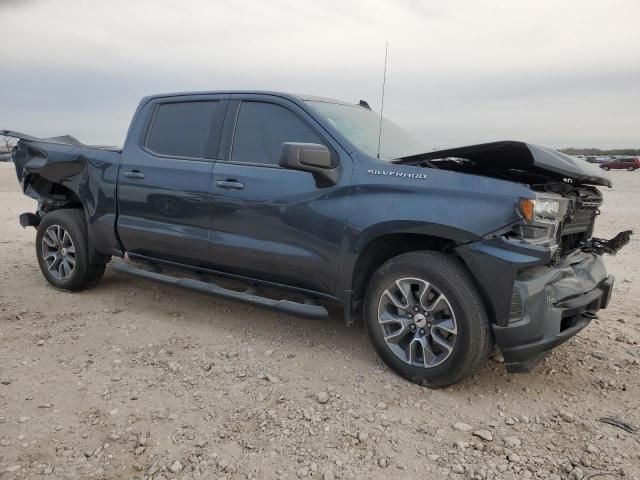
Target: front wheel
pixel 631 169
pixel 605 167
pixel 62 248
pixel 426 319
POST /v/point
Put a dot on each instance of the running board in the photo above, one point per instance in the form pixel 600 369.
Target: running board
pixel 287 306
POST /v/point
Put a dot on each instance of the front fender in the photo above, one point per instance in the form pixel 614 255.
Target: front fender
pixel 410 227
pixel 494 264
pixel 390 198
pixel 356 242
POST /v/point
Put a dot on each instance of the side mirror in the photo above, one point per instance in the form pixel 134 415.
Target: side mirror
pixel 309 157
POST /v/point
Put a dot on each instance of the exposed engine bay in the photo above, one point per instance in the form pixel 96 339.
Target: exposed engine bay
pixel 571 227
pixel 562 216
pixel 578 222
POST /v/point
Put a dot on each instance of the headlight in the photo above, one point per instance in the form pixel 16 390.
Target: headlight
pixel 545 208
pixel 540 209
pixel 543 216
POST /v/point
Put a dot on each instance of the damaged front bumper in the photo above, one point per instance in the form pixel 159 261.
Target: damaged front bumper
pixel 535 304
pixel 550 305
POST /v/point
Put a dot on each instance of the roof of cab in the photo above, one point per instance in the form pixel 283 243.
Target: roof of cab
pixel 291 96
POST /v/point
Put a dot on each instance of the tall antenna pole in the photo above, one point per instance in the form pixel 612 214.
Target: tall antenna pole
pixel 384 81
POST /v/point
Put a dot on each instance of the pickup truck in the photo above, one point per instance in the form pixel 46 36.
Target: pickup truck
pixel 311 203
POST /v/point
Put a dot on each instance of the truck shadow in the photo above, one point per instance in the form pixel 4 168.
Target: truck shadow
pixel 328 341
pixel 159 300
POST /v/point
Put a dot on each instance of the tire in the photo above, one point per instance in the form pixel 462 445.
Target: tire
pixel 631 169
pixel 62 249
pixel 460 320
pixel 605 167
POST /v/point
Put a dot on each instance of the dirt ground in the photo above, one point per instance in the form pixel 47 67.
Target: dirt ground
pixel 135 380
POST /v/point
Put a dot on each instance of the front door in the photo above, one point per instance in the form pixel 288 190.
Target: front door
pixel 165 180
pixel 269 222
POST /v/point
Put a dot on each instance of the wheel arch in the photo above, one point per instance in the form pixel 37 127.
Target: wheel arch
pixel 55 196
pixel 373 248
pixel 51 194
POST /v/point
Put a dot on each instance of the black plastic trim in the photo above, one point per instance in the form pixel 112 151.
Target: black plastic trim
pixel 29 220
pixel 522 351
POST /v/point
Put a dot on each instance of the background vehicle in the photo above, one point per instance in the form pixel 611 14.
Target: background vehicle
pixel 626 163
pixel 297 193
pixel 598 159
pixel 5 153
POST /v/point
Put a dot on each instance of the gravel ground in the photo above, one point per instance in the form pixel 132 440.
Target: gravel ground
pixel 135 380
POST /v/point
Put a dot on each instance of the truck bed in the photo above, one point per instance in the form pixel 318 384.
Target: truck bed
pixel 60 171
pixel 60 140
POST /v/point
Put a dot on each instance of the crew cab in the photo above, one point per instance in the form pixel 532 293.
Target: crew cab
pixel 312 202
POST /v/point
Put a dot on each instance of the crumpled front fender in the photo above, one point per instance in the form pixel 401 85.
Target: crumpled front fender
pixel 494 264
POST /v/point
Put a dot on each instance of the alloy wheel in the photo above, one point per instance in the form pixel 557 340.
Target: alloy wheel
pixel 58 252
pixel 417 322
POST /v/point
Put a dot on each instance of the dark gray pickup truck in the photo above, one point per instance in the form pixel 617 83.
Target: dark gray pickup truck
pixel 442 254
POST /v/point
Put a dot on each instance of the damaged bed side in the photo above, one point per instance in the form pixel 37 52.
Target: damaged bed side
pixel 61 172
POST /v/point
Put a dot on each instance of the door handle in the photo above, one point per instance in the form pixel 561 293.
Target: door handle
pixel 136 174
pixel 230 184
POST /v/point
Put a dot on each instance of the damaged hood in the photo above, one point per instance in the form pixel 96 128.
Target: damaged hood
pixel 501 158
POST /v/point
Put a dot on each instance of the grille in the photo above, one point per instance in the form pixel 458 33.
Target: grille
pixel 581 221
pixel 578 227
pixel 591 203
pixel 588 199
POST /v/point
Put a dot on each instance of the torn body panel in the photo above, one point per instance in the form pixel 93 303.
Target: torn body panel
pixel 63 173
pixel 61 140
pixel 511 160
pixel 554 304
pixel 535 305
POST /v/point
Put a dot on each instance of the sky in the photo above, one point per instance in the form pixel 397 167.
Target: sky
pixel 557 73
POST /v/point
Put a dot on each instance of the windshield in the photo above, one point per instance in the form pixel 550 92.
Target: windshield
pixel 361 127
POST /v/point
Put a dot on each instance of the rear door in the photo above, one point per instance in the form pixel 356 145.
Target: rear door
pixel 165 179
pixel 269 222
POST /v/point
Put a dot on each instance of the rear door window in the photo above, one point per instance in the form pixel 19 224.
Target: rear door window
pixel 262 128
pixel 187 129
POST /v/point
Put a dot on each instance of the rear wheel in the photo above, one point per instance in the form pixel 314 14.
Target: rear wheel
pixel 426 319
pixel 604 167
pixel 631 169
pixel 62 248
